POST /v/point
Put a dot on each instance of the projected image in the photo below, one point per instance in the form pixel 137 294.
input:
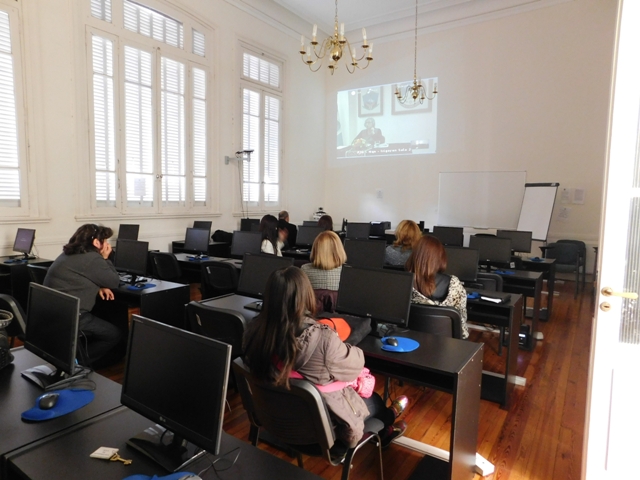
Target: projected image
pixel 371 122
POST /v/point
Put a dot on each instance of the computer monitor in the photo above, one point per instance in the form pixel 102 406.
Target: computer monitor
pixel 255 273
pixel 128 231
pixel 383 295
pixel 196 240
pixel 245 242
pixel 202 224
pixel 249 224
pixel 453 236
pixel 178 380
pixel 378 229
pixel 492 250
pixel 463 263
pixel 365 253
pixel 307 235
pixel 131 258
pixel 24 241
pixel 309 223
pixel 52 334
pixel 358 230
pixel 520 240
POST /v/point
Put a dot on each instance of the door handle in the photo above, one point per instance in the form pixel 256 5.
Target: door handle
pixel 608 292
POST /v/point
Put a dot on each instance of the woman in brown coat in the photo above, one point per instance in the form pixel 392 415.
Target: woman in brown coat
pixel 284 338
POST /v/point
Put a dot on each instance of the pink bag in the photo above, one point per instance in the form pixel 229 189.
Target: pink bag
pixel 364 384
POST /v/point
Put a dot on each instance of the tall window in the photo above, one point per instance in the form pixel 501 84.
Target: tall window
pixel 13 168
pixel 150 98
pixel 261 130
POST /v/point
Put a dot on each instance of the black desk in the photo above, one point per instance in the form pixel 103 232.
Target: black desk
pixel 527 284
pixel 548 268
pixel 18 280
pixel 498 387
pixel 165 303
pixel 67 455
pixel 235 302
pixel 18 395
pixel 191 266
pixel 447 364
pixel 218 249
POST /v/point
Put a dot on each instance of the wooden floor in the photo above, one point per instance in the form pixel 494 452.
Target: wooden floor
pixel 539 438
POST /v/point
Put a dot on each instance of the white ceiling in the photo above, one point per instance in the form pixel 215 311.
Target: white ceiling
pixel 384 18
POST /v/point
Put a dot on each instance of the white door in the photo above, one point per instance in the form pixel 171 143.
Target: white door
pixel 612 441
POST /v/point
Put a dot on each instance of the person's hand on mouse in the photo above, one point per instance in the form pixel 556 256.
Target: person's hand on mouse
pixel 106 294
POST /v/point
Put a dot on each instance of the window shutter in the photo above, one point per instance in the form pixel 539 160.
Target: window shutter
pixel 172 132
pixel 153 24
pixel 101 9
pixel 199 135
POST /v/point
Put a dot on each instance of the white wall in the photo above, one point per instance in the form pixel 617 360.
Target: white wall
pixel 56 96
pixel 524 92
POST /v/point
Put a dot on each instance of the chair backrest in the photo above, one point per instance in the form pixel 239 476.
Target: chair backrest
pixel 296 417
pixel 325 299
pixel 434 319
pixel 218 278
pixel 490 281
pixel 37 273
pixel 19 324
pixel 564 253
pixel 166 266
pixel 582 247
pixel 242 376
pixel 218 323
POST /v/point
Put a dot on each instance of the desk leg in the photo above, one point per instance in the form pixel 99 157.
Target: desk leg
pixel 536 314
pixel 545 314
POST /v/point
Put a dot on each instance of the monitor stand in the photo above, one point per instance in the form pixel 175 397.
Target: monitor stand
pixel 48 378
pixel 171 452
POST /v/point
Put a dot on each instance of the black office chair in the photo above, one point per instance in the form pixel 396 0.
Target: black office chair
pixel 568 259
pixel 165 266
pixel 435 319
pixel 218 278
pixel 582 252
pixel 326 300
pixel 37 273
pixel 18 326
pixel 493 283
pixel 242 375
pixel 218 323
pixel 300 419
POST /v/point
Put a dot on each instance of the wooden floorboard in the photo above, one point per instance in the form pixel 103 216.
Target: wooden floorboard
pixel 539 438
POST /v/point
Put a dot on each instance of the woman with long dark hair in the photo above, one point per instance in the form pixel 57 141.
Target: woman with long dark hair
pixel 271 242
pixel 285 338
pixel 428 261
pixel 84 271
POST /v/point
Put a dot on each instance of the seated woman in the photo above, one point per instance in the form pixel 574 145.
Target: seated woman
pixel 284 338
pixel 326 222
pixel 432 287
pixel 84 270
pixel 327 258
pixel 407 235
pixel 271 242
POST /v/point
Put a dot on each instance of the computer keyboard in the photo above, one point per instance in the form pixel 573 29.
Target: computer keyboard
pixel 6 357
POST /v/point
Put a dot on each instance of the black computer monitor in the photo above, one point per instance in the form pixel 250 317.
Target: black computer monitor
pixel 383 295
pixel 131 258
pixel 178 380
pixel 52 334
pixel 463 263
pixel 520 240
pixel 196 240
pixel 365 253
pixel 453 236
pixel 24 241
pixel 309 223
pixel 256 270
pixel 249 224
pixel 245 242
pixel 358 230
pixel 307 235
pixel 202 224
pixel 492 250
pixel 128 232
pixel 378 229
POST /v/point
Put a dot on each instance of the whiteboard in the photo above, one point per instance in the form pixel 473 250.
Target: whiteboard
pixel 537 207
pixel 480 199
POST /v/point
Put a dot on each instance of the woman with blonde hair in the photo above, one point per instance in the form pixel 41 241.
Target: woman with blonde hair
pixel 407 235
pixel 327 258
pixel 428 261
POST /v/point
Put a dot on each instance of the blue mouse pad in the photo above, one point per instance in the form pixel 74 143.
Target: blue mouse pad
pixel 536 259
pixel 197 259
pixel 70 400
pixel 473 295
pixel 142 287
pixel 504 272
pixel 404 345
pixel 171 476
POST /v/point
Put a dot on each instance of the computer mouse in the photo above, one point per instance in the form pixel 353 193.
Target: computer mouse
pixel 393 341
pixel 48 401
pixel 140 284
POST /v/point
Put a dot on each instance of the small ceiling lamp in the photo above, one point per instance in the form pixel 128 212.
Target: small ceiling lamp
pixel 334 47
pixel 415 93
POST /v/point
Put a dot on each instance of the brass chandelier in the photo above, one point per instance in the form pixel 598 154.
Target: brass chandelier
pixel 415 93
pixel 334 47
